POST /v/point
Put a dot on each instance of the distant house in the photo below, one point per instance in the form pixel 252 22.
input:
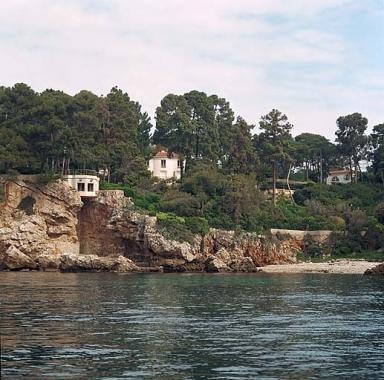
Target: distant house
pixel 339 176
pixel 165 165
pixel 86 184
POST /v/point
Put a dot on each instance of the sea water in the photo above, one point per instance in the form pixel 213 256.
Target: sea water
pixel 191 326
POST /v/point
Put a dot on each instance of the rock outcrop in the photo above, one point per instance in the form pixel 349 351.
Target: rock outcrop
pixel 246 252
pixel 94 263
pixel 377 270
pixel 14 259
pixel 49 227
pixel 36 219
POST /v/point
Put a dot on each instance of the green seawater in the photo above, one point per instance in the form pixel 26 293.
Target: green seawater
pixel 191 326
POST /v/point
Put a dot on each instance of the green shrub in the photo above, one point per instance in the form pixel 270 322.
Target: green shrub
pixel 290 216
pixel 314 249
pixel 197 225
pixel 12 175
pixel 374 237
pixel 251 223
pixel 181 229
pixel 164 217
pixel 143 199
pixel 218 219
pixel 180 203
pixel 363 255
pixel 174 227
pixel 357 195
pixel 379 212
pixel 343 244
pixel 337 223
pixel 45 178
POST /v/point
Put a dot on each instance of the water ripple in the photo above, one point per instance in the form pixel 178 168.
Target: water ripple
pixel 109 326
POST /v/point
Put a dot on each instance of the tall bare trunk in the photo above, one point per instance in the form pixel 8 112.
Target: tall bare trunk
pixel 359 170
pixel 63 166
pixel 289 187
pixel 350 169
pixel 181 168
pixel 274 183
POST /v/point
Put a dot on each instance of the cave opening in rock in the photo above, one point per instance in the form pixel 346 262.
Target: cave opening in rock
pixel 27 205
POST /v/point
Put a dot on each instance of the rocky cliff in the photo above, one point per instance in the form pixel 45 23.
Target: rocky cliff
pixel 49 226
pixel 378 270
pixel 39 229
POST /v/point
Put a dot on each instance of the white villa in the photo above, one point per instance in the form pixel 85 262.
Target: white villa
pixel 339 176
pixel 87 185
pixel 165 165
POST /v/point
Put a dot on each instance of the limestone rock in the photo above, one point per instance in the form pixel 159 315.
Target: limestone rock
pixel 81 263
pixel 39 219
pixel 245 264
pixel 377 270
pixel 163 247
pixel 47 224
pixel 14 259
pixel 214 264
pixel 94 263
pixel 121 230
pixel 48 261
pixel 122 264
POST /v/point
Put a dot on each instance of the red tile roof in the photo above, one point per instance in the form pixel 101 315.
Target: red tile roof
pixel 164 154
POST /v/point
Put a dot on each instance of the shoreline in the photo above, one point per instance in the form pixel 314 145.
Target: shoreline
pixel 341 266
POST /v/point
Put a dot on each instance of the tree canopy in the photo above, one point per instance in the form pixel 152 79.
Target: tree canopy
pixel 229 162
pixel 54 131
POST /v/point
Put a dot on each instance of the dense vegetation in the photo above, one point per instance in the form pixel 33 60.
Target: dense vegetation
pixel 53 131
pixel 227 165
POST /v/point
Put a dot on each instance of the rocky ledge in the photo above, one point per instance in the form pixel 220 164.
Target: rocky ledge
pixel 13 259
pixel 48 227
pixel 377 270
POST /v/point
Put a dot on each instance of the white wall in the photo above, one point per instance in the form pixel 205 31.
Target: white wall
pixel 341 177
pixel 171 170
pixel 75 179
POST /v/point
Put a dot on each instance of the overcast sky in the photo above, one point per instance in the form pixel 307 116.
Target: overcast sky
pixel 312 59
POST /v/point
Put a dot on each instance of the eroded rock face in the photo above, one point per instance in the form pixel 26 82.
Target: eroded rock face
pixel 378 270
pixel 47 261
pixel 37 219
pixel 214 264
pixel 97 224
pixel 246 252
pixel 14 259
pixel 49 227
pixel 94 263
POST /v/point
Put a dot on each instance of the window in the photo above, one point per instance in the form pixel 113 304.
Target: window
pixel 80 186
pixel 178 163
pixel 163 163
pixel 335 179
pixel 90 187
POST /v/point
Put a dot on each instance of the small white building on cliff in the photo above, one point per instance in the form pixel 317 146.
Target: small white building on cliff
pixel 339 176
pixel 86 184
pixel 165 165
